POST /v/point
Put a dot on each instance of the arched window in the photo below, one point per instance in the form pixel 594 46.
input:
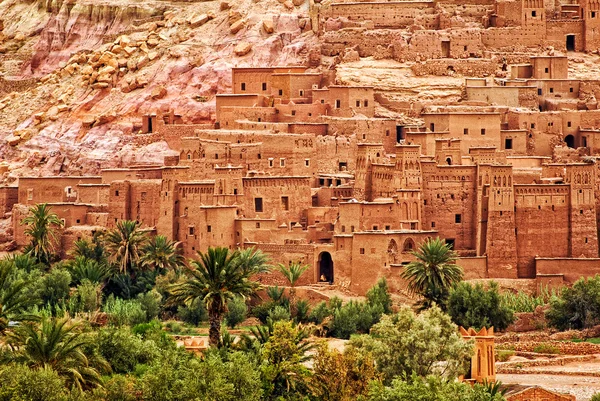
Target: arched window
pixel 409 245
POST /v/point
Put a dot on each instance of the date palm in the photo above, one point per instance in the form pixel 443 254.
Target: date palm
pixel 217 277
pixel 15 297
pixel 56 344
pixel 124 245
pixel 41 227
pixel 292 275
pixel 161 254
pixel 433 272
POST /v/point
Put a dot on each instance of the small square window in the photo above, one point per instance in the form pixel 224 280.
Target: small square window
pixel 532 125
pixel 116 193
pixel 568 123
pixel 466 131
pixel 243 86
pixel 307 162
pixel 483 131
pixel 338 103
pixel 457 218
pixel 387 227
pixel 293 112
pixel 358 103
pixel 593 14
pixel 508 143
pixel 366 103
pixel 208 229
pixel 78 221
pixel 539 92
pixel 571 90
pixel 285 203
pixel 433 224
pixel 257 225
pixel 280 92
pixel 551 90
pixel 264 86
pixel 301 92
pixel 362 251
pixel 322 101
pixel 270 162
pixel 546 70
pixel 282 162
pixel 191 230
pixel 534 13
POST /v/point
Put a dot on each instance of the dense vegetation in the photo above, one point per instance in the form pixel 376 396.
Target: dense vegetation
pixel 98 326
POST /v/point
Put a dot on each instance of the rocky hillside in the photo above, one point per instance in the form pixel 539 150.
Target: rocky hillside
pixel 78 74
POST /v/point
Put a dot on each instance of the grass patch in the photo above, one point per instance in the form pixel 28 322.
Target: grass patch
pixel 544 348
pixel 504 355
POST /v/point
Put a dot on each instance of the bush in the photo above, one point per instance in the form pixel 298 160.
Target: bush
pixel 18 382
pixel 121 312
pixel 302 310
pixel 194 313
pixel 237 311
pixel 319 313
pixel 150 303
pixel 504 355
pixel 595 397
pixel 55 288
pixel 544 348
pixel 117 388
pixel 87 298
pixel 379 295
pixel 475 306
pixel 124 350
pixel 279 313
pixel 354 317
pixel 406 344
pixel 577 307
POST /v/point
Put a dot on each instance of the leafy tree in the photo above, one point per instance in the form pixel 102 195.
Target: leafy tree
pixel 433 273
pixel 124 312
pixel 475 306
pixel 124 350
pixel 577 307
pixel 216 278
pixel 319 313
pixel 342 377
pixel 354 317
pixel 431 388
pixel 58 345
pixel 236 313
pixel 87 297
pixel 380 295
pixel 55 287
pixel 125 244
pixel 284 354
pixel 14 296
pixel 161 254
pixel 41 227
pixel 150 303
pixel 405 344
pixel 193 313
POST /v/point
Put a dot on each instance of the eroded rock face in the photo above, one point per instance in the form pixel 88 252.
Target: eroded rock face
pixel 79 74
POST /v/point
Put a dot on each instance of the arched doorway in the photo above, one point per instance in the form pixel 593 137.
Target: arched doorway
pixel 326 267
pixel 570 141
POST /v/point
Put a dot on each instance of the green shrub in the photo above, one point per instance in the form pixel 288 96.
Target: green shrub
pixel 379 295
pixel 354 317
pixel 237 311
pixel 19 383
pixel 124 350
pixel 279 313
pixel 55 287
pixel 124 312
pixel 319 313
pixel 302 311
pixel 150 303
pixel 576 307
pixel 87 297
pixel 595 397
pixel 116 388
pixel 194 313
pixel 475 306
pixel 504 355
pixel 544 348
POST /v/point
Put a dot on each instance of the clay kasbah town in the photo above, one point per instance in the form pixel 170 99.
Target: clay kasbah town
pixel 376 200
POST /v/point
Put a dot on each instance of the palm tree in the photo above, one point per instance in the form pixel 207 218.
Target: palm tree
pixel 161 254
pixel 41 227
pixel 82 268
pixel 433 273
pixel 14 296
pixel 56 344
pixel 124 245
pixel 292 275
pixel 217 277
